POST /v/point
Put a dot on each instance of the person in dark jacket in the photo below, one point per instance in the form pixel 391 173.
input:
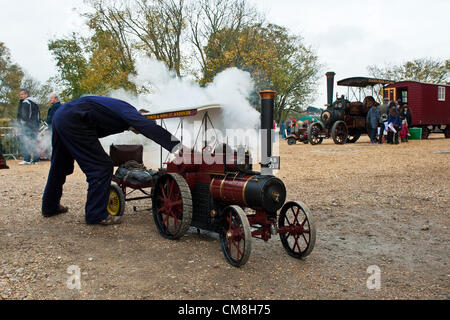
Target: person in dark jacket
pixel 77 127
pixel 54 100
pixel 28 118
pixel 395 125
pixel 373 119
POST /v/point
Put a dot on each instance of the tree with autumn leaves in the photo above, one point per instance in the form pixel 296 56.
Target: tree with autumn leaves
pixel 275 59
pixel 218 34
pixel 201 38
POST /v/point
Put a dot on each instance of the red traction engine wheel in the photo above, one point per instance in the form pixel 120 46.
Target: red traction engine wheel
pixel 172 206
pixel 236 236
pixel 296 229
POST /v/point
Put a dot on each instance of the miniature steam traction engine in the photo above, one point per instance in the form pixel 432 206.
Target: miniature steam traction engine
pixel 212 197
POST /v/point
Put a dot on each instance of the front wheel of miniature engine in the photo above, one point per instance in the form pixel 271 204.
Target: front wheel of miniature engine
pixel 172 206
pixel 116 202
pixel 292 141
pixel 236 236
pixel 296 228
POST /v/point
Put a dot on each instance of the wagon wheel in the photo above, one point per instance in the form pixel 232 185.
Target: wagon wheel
pixel 236 237
pixel 447 132
pixel 313 134
pixel 425 133
pixel 172 206
pixel 297 231
pixel 292 141
pixel 339 132
pixel 116 202
pixel 353 138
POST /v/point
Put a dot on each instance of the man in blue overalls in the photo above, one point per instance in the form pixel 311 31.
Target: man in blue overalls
pixel 77 127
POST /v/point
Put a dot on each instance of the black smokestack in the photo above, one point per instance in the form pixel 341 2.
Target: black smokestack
pixel 267 104
pixel 330 87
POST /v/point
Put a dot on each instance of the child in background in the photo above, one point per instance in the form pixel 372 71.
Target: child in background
pixel 404 131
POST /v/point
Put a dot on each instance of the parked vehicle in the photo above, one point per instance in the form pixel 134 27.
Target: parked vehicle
pixel 300 131
pixel 345 121
pixel 429 104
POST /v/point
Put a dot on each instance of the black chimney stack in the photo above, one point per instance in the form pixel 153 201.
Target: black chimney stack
pixel 330 87
pixel 267 105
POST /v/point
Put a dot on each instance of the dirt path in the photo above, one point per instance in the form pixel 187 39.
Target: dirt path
pixel 384 206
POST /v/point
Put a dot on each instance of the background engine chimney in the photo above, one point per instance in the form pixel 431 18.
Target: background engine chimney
pixel 330 87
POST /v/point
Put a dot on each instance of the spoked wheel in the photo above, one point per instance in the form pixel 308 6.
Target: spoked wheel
pixel 313 134
pixel 236 236
pixel 292 141
pixel 353 138
pixel 116 203
pixel 172 206
pixel 447 132
pixel 425 133
pixel 296 228
pixel 339 132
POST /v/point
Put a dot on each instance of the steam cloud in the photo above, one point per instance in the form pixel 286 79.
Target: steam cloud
pixel 231 89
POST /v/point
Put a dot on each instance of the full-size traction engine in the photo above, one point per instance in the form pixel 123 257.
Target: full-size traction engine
pixel 229 198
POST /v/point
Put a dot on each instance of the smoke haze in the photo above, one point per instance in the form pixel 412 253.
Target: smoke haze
pixel 231 89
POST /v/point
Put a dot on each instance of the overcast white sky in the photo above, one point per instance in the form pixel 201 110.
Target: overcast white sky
pixel 348 35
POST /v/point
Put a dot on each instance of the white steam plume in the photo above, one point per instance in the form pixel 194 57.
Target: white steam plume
pixel 231 89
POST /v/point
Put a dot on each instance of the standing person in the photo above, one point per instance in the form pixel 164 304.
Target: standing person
pixel 405 115
pixel 373 119
pixel 282 130
pixel 384 110
pixel 54 100
pixel 28 118
pixel 77 127
pixel 395 125
pixel 403 134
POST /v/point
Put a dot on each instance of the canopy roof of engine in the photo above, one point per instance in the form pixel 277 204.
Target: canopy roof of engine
pixel 181 113
pixel 363 82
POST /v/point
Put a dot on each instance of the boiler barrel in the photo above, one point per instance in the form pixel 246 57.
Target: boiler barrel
pixel 257 192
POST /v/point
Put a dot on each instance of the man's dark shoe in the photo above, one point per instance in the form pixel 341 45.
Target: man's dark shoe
pixel 61 210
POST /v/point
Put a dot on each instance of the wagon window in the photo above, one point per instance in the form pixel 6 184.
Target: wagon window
pixel 441 93
pixel 405 96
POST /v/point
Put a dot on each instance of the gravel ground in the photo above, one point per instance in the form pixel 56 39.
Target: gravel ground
pixel 385 206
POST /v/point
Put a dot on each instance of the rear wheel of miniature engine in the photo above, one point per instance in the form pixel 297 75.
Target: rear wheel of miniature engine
pixel 339 132
pixel 313 134
pixel 236 236
pixel 292 141
pixel 296 228
pixel 172 206
pixel 116 202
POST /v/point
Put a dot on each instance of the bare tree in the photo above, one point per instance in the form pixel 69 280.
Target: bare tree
pixel 208 17
pixel 153 26
pixel 107 18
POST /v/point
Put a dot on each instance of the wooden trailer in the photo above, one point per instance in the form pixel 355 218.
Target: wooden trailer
pixel 429 104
